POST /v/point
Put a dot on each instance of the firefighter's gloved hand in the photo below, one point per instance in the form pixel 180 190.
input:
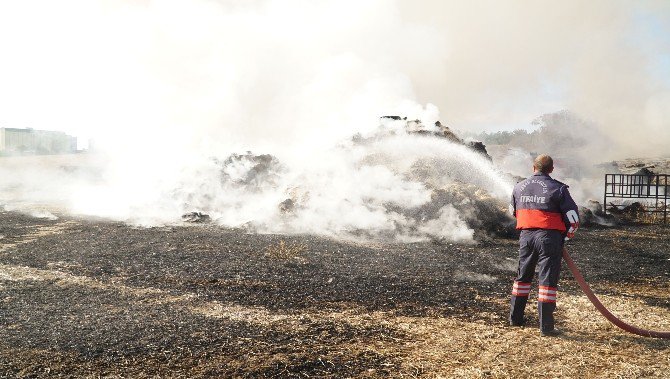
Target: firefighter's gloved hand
pixel 570 234
pixel 574 224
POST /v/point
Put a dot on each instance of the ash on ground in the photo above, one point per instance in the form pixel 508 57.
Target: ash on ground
pixel 91 298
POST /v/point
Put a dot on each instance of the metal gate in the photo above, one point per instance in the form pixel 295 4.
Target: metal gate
pixel 651 191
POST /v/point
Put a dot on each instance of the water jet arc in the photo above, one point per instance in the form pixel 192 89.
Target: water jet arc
pixel 601 308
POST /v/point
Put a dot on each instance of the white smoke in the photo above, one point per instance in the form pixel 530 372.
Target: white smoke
pixel 352 190
pixel 163 87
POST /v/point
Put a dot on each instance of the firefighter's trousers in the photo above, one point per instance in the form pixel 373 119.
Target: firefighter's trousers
pixel 539 248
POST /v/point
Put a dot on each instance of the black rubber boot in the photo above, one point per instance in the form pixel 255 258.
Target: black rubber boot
pixel 517 307
pixel 546 313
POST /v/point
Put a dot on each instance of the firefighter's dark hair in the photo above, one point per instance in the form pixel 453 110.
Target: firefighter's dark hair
pixel 543 163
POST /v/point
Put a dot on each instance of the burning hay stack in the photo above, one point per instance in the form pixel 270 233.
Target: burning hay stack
pixel 437 130
pixel 449 191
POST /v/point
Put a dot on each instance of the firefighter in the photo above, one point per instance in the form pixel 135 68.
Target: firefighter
pixel 547 216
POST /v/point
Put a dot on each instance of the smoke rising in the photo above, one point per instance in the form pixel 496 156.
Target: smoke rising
pixel 510 62
pixel 168 90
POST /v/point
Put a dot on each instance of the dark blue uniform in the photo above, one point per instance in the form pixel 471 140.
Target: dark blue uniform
pixel 545 214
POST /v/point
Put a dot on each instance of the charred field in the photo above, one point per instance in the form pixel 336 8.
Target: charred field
pixel 94 298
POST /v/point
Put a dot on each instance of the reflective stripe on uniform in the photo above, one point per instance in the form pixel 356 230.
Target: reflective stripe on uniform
pixel 573 216
pixel 521 289
pixel 547 294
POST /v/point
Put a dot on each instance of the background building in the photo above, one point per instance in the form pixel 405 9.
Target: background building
pixel 31 141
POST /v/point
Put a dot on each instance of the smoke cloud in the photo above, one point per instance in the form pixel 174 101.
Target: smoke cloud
pixel 167 90
pixel 506 63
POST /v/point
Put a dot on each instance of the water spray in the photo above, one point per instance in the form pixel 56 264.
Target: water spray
pixel 601 308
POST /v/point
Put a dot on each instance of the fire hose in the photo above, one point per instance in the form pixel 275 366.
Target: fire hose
pixel 601 308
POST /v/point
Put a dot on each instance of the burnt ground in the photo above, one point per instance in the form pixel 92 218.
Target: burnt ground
pixel 93 298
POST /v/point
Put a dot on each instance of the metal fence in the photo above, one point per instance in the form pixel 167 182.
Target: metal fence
pixel 651 191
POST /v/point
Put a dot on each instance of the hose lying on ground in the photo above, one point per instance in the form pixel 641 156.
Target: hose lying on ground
pixel 601 308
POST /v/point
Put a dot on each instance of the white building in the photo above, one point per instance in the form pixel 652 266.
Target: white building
pixel 31 141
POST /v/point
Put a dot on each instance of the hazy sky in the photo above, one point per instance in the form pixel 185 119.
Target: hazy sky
pixel 98 67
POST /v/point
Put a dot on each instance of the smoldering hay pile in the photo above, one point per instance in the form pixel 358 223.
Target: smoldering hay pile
pixel 406 181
